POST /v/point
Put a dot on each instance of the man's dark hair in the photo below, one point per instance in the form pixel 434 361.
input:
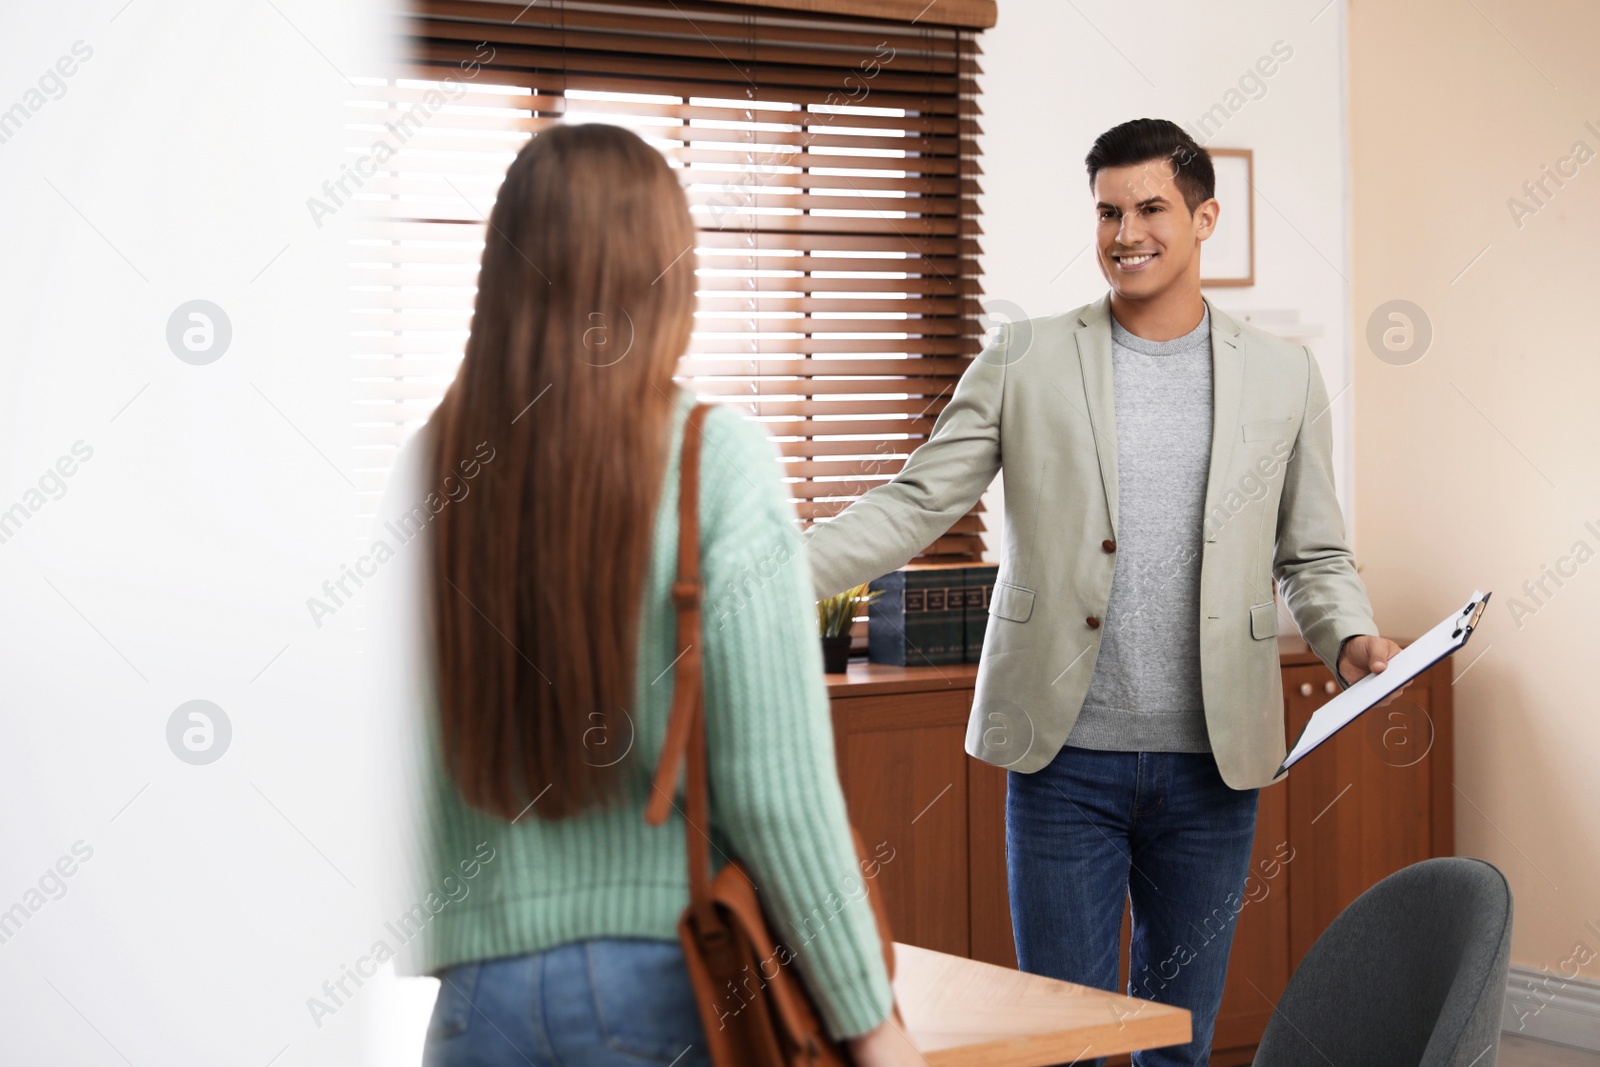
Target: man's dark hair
pixel 1148 140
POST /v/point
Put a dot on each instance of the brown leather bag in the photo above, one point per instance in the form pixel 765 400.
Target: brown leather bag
pixel 754 1005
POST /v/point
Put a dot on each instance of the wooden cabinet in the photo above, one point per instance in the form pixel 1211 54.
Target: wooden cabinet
pixel 905 778
pixel 1374 799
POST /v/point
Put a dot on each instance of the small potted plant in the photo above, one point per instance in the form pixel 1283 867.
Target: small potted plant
pixel 835 615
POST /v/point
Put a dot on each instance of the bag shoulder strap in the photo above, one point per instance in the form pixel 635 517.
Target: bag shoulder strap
pixel 685 738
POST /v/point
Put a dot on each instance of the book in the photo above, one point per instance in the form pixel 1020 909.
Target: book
pixel 920 620
pixel 980 590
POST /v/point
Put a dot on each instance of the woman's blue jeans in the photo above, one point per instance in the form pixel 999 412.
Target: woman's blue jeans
pixel 1160 830
pixel 610 1002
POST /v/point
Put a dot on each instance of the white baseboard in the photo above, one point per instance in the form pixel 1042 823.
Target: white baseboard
pixel 1541 1004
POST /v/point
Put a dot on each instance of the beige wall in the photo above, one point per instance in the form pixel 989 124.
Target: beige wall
pixel 1476 464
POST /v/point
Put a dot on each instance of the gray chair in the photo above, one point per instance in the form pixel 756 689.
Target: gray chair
pixel 1411 974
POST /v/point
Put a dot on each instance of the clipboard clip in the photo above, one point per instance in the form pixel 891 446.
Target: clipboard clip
pixel 1474 608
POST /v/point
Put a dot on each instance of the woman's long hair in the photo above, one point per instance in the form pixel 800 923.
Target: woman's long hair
pixel 585 302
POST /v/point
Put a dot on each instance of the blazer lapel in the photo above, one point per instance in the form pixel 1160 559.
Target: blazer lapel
pixel 1227 389
pixel 1093 337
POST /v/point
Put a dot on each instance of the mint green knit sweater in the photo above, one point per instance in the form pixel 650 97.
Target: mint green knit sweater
pixel 776 801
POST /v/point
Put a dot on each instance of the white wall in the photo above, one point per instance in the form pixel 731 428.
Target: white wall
pixel 205 904
pixel 1058 75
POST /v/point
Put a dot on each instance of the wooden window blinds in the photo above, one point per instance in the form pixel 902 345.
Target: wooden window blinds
pixel 830 161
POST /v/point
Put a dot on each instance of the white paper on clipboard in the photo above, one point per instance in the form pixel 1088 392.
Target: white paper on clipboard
pixel 1405 665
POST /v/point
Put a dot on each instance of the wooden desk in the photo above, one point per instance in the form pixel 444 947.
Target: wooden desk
pixel 963 1013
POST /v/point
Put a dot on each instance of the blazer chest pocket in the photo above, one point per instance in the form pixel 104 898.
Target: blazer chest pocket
pixel 1264 620
pixel 1270 430
pixel 1011 602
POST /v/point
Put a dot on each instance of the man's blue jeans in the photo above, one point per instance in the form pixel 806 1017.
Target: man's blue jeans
pixel 1159 829
pixel 607 1002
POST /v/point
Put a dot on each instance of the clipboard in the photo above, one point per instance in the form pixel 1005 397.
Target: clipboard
pixel 1443 640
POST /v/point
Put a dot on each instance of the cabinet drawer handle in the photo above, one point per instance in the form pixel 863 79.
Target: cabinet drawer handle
pixel 1305 689
pixel 1329 686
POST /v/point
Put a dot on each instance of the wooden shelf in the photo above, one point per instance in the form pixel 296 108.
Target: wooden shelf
pixel 873 679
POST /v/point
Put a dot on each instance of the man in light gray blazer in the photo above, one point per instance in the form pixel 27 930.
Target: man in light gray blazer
pixel 1167 467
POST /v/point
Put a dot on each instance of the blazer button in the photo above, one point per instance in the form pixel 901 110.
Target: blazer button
pixel 1093 621
pixel 1109 545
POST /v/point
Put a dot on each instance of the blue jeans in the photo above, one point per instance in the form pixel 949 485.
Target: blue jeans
pixel 1158 829
pixel 609 1002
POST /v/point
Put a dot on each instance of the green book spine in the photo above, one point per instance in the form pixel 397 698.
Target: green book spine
pixel 979 591
pixel 939 631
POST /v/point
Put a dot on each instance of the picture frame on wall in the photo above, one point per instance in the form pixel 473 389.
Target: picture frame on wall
pixel 1228 257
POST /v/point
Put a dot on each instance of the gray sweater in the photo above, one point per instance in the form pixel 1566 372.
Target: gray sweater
pixel 1145 693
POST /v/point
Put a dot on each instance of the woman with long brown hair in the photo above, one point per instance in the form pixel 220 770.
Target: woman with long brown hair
pixel 544 491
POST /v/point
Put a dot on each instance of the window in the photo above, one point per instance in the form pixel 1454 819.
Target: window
pixel 830 161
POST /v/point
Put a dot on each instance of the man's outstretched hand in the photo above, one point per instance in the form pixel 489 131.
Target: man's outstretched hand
pixel 1366 654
